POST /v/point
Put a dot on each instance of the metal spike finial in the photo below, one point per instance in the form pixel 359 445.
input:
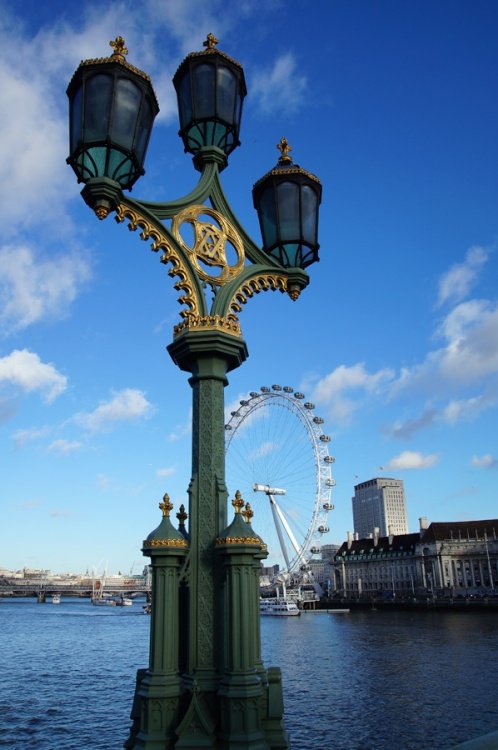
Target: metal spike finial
pixel 166 506
pixel 210 42
pixel 182 516
pixel 238 503
pixel 248 513
pixel 119 48
pixel 284 149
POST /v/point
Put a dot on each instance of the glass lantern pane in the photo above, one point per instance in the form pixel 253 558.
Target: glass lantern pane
pixel 220 136
pixel 288 211
pixel 144 127
pixel 268 217
pixel 98 99
pixel 120 167
pixel 185 100
pixel 309 209
pixel 92 161
pixel 125 111
pixel 292 253
pixel 204 98
pixel 76 110
pixel 226 90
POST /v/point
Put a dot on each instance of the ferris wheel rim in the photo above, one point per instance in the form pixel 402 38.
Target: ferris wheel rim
pixel 295 402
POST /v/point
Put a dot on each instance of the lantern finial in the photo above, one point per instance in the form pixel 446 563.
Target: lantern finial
pixel 238 503
pixel 119 48
pixel 210 42
pixel 166 506
pixel 248 512
pixel 284 149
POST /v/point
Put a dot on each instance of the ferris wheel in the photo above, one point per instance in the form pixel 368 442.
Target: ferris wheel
pixel 277 456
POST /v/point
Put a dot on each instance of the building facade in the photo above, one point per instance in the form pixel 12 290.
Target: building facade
pixel 380 503
pixel 443 559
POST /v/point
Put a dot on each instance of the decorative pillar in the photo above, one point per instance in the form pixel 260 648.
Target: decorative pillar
pixel 158 692
pixel 251 704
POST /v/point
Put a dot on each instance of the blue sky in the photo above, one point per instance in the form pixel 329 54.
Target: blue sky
pixel 394 106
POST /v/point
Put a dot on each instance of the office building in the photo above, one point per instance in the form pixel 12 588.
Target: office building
pixel 379 504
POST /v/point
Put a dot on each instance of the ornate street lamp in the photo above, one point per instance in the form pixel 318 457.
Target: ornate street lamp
pixel 210 87
pixel 112 106
pixel 287 201
pixel 205 685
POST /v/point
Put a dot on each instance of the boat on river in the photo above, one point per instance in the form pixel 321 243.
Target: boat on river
pixel 56 598
pixel 104 601
pixel 278 606
pixel 124 601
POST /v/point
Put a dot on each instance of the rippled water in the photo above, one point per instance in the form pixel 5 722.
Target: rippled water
pixel 359 681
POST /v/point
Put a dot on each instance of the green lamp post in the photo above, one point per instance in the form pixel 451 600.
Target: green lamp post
pixel 205 685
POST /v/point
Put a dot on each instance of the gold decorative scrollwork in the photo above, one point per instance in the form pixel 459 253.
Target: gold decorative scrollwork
pixel 253 540
pixel 180 543
pixel 210 322
pixel 210 241
pixel 255 285
pixel 179 268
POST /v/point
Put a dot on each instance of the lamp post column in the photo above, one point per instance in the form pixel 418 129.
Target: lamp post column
pixel 208 355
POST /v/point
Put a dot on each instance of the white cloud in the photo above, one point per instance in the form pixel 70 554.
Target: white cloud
pixel 21 437
pixel 190 22
pixel 60 513
pixel 264 449
pixel 469 408
pixel 126 405
pixel 33 288
pixel 181 431
pixel 406 429
pixel 7 409
pixel 412 460
pixel 456 283
pixel 470 354
pixel 452 413
pixel 472 351
pixel 25 370
pixel 33 134
pixel 64 446
pixel 280 88
pixel 484 462
pixel 167 471
pixel 330 390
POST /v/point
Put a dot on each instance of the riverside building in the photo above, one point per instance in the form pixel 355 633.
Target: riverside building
pixel 444 559
pixel 380 503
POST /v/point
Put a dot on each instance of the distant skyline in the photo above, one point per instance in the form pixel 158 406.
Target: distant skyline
pixel 394 107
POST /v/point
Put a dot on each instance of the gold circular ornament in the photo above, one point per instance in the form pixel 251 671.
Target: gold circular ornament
pixel 209 249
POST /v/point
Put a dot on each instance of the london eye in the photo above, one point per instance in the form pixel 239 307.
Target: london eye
pixel 277 455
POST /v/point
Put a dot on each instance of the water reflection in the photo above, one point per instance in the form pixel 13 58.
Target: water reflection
pixel 389 681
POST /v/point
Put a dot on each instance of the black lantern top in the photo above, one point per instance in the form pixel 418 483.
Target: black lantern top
pixel 287 200
pixel 112 108
pixel 210 87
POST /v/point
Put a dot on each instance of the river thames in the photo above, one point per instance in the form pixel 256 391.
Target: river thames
pixel 358 681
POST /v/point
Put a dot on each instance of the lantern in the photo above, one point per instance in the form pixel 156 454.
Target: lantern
pixel 210 87
pixel 287 200
pixel 112 108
